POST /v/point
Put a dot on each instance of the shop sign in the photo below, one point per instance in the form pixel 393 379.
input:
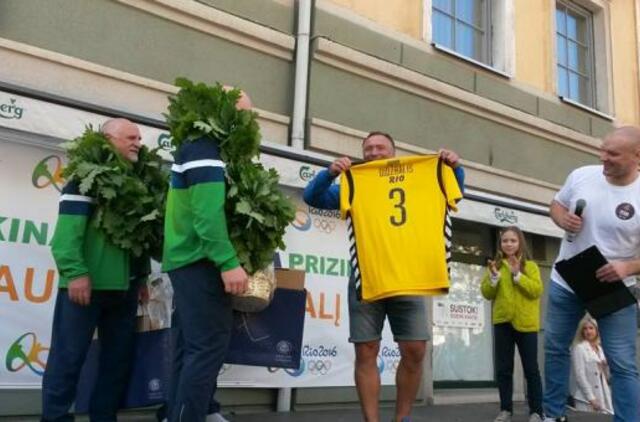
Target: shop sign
pixel 458 314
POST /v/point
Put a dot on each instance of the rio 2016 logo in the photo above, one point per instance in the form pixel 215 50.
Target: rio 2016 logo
pixel 388 359
pixel 26 351
pixel 302 221
pixel 48 172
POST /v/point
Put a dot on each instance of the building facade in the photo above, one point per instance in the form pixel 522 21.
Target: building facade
pixel 522 90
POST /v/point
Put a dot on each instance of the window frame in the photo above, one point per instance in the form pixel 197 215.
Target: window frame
pixel 565 7
pixel 603 61
pixel 486 54
pixel 500 39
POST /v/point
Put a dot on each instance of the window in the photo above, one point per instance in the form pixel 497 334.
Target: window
pixel 463 351
pixel 464 27
pixel 575 53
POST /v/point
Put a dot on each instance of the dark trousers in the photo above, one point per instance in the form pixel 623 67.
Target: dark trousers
pixel 177 345
pixel 203 328
pixel 506 338
pixel 113 314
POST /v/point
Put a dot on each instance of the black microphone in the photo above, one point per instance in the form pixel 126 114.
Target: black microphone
pixel 580 204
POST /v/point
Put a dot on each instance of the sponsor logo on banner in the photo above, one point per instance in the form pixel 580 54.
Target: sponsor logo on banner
pixel 25 353
pixel 11 110
pixel 48 172
pixel 306 173
pixel 316 360
pixel 164 142
pixel 505 216
pixel 319 366
pixel 319 359
pixel 324 221
pixel 302 221
pixel 295 373
pixel 388 359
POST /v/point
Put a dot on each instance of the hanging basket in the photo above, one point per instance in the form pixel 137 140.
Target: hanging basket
pixel 258 296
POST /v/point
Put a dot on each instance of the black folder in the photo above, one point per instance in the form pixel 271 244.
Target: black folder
pixel 600 299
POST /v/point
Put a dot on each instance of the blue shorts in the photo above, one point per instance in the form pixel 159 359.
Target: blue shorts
pixel 407 318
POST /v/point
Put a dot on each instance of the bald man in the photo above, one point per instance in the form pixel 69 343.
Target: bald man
pixel 611 221
pixel 98 288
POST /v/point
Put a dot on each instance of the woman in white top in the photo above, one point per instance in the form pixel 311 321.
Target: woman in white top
pixel 592 392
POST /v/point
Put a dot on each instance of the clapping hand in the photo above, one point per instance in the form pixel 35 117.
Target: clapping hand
pixel 514 264
pixel 493 269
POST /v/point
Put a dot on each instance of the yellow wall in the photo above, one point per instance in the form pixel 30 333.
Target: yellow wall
pixel 403 16
pixel 534 42
pixel 624 46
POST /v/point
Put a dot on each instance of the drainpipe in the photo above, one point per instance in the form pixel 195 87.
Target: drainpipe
pixel 298 117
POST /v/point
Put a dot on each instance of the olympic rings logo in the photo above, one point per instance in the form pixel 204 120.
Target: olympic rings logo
pixel 326 226
pixel 319 367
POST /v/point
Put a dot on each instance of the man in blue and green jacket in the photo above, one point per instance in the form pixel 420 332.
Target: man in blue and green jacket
pixel 204 271
pixel 98 288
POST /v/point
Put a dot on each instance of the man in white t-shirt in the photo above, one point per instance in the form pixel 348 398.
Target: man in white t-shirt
pixel 611 221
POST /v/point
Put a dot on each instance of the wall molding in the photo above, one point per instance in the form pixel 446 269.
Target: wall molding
pixel 220 24
pixel 391 74
pixel 70 77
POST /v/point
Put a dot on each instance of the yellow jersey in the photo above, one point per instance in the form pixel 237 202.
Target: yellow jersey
pixel 397 212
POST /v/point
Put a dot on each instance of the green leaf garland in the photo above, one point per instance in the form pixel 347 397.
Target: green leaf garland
pixel 130 197
pixel 257 211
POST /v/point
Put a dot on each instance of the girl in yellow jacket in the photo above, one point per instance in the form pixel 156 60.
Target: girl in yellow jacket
pixel 513 284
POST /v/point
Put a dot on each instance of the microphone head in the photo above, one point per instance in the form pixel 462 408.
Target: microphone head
pixel 580 204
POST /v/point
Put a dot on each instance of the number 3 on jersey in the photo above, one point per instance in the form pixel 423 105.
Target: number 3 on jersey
pixel 397 195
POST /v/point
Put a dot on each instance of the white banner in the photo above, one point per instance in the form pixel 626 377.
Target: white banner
pixel 28 279
pixel 30 184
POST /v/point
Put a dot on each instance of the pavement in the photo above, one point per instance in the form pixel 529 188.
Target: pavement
pixel 439 413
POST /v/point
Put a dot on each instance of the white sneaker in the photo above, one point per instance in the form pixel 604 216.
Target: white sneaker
pixel 503 416
pixel 216 417
pixel 534 417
